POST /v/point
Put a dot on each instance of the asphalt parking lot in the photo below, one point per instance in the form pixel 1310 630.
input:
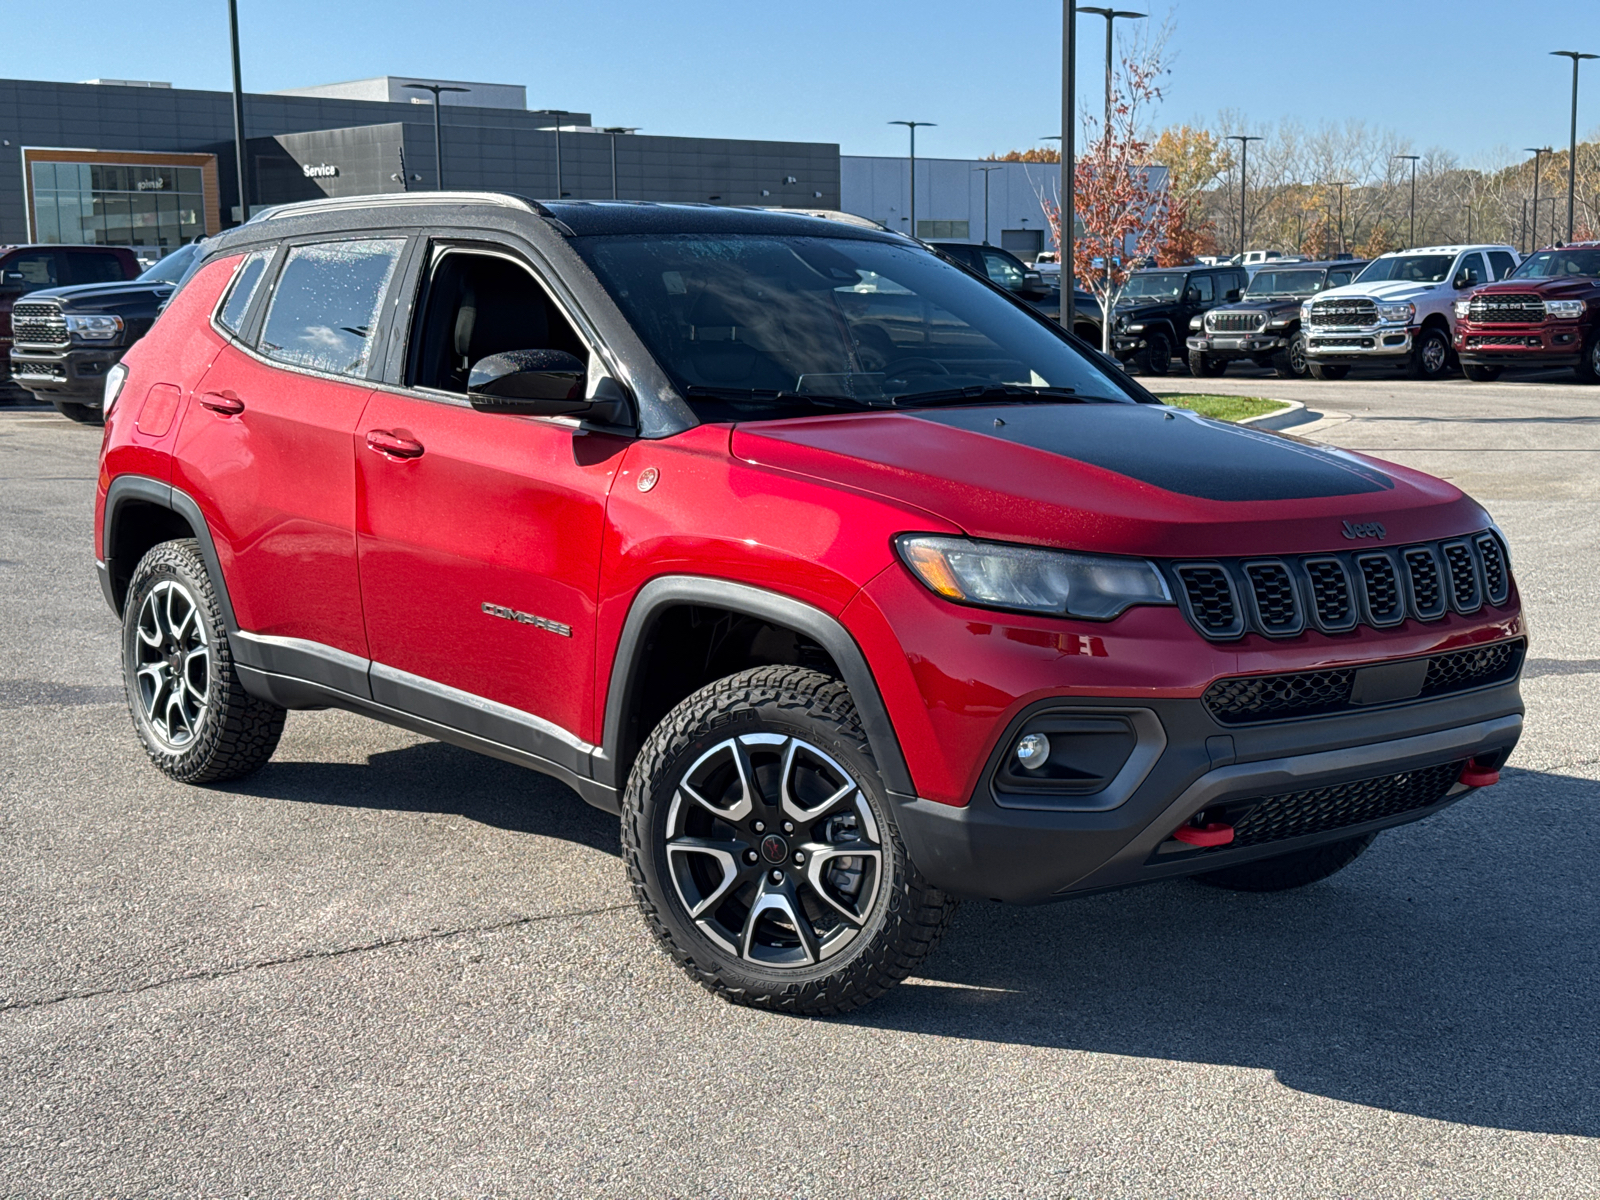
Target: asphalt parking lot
pixel 386 967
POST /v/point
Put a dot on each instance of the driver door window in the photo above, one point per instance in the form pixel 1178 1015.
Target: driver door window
pixel 1471 266
pixel 1002 271
pixel 1202 287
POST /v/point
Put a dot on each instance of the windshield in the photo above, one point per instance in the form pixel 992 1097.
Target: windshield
pixel 1154 287
pixel 1408 268
pixel 1548 264
pixel 756 327
pixel 173 267
pixel 1285 283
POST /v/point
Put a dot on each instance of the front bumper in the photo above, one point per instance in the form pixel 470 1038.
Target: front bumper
pixel 1354 344
pixel 990 850
pixel 1531 346
pixel 76 373
pixel 1236 345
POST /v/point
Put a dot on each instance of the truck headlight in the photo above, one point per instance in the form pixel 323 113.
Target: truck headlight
pixel 94 326
pixel 1462 307
pixel 1305 310
pixel 1563 310
pixel 1059 582
pixel 1397 314
pixel 115 378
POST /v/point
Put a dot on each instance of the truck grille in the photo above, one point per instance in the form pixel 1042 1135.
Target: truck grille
pixel 1280 597
pixel 36 323
pixel 1501 339
pixel 1236 322
pixel 1507 308
pixel 22 369
pixel 1252 699
pixel 1340 805
pixel 1335 343
pixel 1344 312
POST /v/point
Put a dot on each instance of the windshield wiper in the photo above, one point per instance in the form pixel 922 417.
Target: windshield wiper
pixel 993 391
pixel 775 396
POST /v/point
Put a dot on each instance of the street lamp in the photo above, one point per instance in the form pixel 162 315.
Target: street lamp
pixel 986 171
pixel 1572 150
pixel 238 114
pixel 1412 158
pixel 1244 140
pixel 1341 184
pixel 613 130
pixel 557 113
pixel 912 126
pixel 1111 15
pixel 1538 152
pixel 438 151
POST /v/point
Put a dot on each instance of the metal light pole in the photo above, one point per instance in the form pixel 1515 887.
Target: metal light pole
pixel 1538 152
pixel 1341 184
pixel 1067 217
pixel 1244 140
pixel 238 114
pixel 986 171
pixel 912 126
pixel 613 130
pixel 1413 160
pixel 557 113
pixel 1572 146
pixel 1111 15
pixel 438 144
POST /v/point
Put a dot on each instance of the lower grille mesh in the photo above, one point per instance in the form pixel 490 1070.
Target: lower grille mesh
pixel 1317 810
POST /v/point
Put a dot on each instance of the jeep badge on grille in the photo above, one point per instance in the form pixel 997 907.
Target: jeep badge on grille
pixel 1364 529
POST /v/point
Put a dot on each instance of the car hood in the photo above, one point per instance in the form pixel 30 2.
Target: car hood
pixel 1560 288
pixel 104 296
pixel 1268 304
pixel 1115 478
pixel 1393 291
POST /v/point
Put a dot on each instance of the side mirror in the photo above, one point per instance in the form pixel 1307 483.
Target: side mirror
pixel 1461 280
pixel 543 383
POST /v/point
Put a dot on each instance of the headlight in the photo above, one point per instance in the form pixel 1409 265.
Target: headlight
pixel 1134 328
pixel 1277 322
pixel 1305 310
pixel 94 326
pixel 1058 582
pixel 1463 307
pixel 1397 314
pixel 115 378
pixel 1563 310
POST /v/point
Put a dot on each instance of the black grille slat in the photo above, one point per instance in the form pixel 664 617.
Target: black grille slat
pixel 1277 607
pixel 1344 312
pixel 1251 699
pixel 1340 805
pixel 1428 601
pixel 1381 589
pixel 1507 308
pixel 1496 579
pixel 1465 594
pixel 1236 322
pixel 1210 598
pixel 1330 594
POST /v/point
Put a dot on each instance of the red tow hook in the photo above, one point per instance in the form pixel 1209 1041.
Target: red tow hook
pixel 1475 776
pixel 1215 833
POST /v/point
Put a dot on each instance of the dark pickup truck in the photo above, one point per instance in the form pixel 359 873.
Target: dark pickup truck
pixel 1263 325
pixel 67 338
pixel 1156 306
pixel 28 269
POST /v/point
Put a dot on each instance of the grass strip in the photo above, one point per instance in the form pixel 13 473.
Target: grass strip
pixel 1223 408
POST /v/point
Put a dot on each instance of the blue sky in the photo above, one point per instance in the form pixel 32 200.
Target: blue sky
pixel 987 71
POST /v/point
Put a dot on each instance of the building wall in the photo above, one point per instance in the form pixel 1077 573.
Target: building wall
pixel 393 88
pixel 951 189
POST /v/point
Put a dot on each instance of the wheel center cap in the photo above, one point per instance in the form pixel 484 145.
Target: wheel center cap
pixel 774 849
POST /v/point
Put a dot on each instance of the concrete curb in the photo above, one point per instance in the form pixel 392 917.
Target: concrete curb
pixel 1287 418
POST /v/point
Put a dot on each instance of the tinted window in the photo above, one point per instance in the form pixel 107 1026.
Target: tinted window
pixel 1501 263
pixel 326 303
pixel 1282 282
pixel 1472 268
pixel 1547 264
pixel 1154 287
pixel 1002 270
pixel 90 266
pixel 31 271
pixel 1202 285
pixel 1338 278
pixel 244 287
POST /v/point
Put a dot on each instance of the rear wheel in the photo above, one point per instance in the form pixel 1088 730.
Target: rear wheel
pixel 1290 362
pixel 84 414
pixel 763 850
pixel 1155 358
pixel 1481 374
pixel 1430 355
pixel 1328 370
pixel 1288 870
pixel 1589 365
pixel 1204 366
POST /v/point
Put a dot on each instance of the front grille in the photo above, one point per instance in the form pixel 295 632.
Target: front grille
pixel 1344 312
pixel 1253 699
pixel 1334 593
pixel 1507 308
pixel 36 323
pixel 1340 343
pixel 54 372
pixel 1340 805
pixel 1236 322
pixel 1501 339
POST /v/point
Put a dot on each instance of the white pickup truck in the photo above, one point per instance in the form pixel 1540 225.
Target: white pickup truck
pixel 1400 311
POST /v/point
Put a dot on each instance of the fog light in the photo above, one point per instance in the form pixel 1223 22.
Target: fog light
pixel 1033 750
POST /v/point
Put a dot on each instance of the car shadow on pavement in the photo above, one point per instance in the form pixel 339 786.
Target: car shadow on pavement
pixel 434 777
pixel 1451 973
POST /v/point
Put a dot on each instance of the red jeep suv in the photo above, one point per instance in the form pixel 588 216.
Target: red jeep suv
pixel 851 583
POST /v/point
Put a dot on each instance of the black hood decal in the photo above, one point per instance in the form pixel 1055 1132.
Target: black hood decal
pixel 1173 450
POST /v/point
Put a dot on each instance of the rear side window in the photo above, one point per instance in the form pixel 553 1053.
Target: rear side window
pixel 1501 263
pixel 326 304
pixel 93 266
pixel 243 290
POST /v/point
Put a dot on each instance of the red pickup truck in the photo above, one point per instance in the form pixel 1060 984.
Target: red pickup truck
pixel 1545 314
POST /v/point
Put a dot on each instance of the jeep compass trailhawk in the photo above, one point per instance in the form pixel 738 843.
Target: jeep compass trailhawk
pixel 850 582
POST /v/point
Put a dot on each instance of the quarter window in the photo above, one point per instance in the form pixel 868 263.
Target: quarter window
pixel 326 304
pixel 244 288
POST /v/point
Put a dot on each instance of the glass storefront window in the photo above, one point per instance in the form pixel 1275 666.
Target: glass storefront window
pixel 114 204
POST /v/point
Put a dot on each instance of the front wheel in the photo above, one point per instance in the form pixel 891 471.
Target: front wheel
pixel 1328 370
pixel 1589 364
pixel 1289 870
pixel 1481 374
pixel 1204 366
pixel 763 850
pixel 83 414
pixel 1290 362
pixel 1430 355
pixel 1155 358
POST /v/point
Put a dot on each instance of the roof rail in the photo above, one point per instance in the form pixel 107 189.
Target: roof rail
pixel 399 200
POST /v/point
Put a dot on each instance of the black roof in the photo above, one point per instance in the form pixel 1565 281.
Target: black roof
pixel 588 217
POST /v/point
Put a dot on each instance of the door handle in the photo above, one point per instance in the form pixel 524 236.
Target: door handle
pixel 392 444
pixel 225 403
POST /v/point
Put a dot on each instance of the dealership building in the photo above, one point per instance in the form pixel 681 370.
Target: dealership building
pixel 128 163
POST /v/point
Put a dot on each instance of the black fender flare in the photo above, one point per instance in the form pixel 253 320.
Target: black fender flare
pixel 668 590
pixel 126 488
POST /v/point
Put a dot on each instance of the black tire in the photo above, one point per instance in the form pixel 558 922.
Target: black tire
pixel 1203 366
pixel 1288 870
pixel 224 733
pixel 1481 374
pixel 83 414
pixel 1155 356
pixel 898 917
pixel 1431 356
pixel 1588 368
pixel 1328 370
pixel 1290 362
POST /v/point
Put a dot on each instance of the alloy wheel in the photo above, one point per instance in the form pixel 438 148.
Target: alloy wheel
pixel 1297 356
pixel 773 850
pixel 1434 352
pixel 172 670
